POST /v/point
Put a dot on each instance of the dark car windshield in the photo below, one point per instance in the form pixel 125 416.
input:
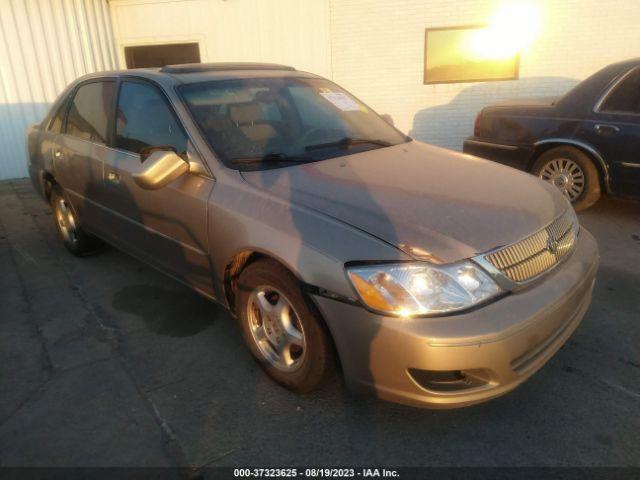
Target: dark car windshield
pixel 270 122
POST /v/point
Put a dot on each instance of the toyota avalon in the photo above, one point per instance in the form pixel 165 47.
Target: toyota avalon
pixel 425 276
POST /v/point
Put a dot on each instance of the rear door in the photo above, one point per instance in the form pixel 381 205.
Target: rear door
pixel 615 132
pixel 77 165
pixel 50 136
pixel 166 227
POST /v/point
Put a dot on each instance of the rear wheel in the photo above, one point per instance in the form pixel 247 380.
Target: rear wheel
pixel 73 236
pixel 572 172
pixel 282 329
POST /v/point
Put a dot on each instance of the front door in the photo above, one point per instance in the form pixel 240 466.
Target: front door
pixel 166 227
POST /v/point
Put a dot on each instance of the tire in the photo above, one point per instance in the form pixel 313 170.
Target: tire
pixel 311 364
pixel 75 239
pixel 570 170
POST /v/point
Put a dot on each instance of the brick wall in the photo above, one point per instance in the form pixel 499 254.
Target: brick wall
pixel 377 50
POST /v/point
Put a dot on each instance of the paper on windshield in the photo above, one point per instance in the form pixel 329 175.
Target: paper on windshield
pixel 341 101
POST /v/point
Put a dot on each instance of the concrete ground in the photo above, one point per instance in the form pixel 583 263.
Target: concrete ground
pixel 105 362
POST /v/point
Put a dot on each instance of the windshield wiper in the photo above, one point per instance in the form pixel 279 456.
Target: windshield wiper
pixel 268 158
pixel 346 142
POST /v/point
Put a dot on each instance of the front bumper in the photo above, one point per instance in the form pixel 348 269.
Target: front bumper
pixel 491 350
pixel 516 156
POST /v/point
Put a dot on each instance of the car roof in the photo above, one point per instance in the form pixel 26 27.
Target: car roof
pixel 628 63
pixel 202 72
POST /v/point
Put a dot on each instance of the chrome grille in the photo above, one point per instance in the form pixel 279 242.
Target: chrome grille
pixel 539 252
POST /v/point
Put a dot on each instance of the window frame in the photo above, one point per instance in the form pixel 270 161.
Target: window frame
pixel 611 88
pixel 516 59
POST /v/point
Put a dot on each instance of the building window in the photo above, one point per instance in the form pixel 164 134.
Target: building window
pixel 467 54
pixel 146 56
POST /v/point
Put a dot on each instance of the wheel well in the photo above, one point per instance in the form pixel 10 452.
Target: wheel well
pixel 48 181
pixel 232 273
pixel 545 147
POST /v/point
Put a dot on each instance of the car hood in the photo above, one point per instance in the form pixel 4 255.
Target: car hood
pixel 418 196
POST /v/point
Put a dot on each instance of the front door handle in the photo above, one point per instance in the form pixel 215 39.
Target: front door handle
pixel 113 177
pixel 603 129
pixel 57 154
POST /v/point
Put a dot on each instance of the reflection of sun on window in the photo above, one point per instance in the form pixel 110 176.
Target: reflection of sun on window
pixel 480 53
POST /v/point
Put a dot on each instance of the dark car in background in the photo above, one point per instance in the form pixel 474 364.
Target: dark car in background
pixel 585 142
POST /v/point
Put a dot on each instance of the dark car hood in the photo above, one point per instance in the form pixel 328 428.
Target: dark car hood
pixel 446 203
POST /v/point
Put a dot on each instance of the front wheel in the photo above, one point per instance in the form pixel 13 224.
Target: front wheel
pixel 572 172
pixel 282 329
pixel 75 239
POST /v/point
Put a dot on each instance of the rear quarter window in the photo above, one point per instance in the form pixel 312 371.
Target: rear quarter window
pixel 625 98
pixel 57 120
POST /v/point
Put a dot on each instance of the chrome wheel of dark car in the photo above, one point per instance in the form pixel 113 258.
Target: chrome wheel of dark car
pixel 566 175
pixel 573 172
pixel 276 328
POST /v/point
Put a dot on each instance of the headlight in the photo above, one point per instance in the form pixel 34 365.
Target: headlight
pixel 421 289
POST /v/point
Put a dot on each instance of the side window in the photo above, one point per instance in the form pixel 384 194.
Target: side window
pixel 625 97
pixel 90 110
pixel 144 119
pixel 55 124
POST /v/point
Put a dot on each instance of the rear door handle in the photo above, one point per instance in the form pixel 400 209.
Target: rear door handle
pixel 603 129
pixel 113 177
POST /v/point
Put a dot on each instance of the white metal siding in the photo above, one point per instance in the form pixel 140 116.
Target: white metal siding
pixel 44 45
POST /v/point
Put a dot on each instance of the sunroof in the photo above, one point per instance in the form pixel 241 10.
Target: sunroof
pixel 213 67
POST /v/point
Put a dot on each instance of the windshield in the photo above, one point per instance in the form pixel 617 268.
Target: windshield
pixel 272 122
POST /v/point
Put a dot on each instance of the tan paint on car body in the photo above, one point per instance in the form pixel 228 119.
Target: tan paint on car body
pixel 314 218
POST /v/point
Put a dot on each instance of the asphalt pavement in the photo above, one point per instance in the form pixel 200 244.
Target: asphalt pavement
pixel 106 362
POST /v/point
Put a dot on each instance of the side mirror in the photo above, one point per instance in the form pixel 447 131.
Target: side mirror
pixel 159 169
pixel 387 118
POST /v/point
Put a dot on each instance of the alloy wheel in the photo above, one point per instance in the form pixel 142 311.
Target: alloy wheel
pixel 566 175
pixel 276 328
pixel 66 221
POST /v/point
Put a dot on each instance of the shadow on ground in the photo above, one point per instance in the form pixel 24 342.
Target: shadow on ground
pixel 166 312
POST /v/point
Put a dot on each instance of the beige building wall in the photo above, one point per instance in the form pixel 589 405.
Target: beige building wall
pixel 378 46
pixel 374 48
pixel 292 32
